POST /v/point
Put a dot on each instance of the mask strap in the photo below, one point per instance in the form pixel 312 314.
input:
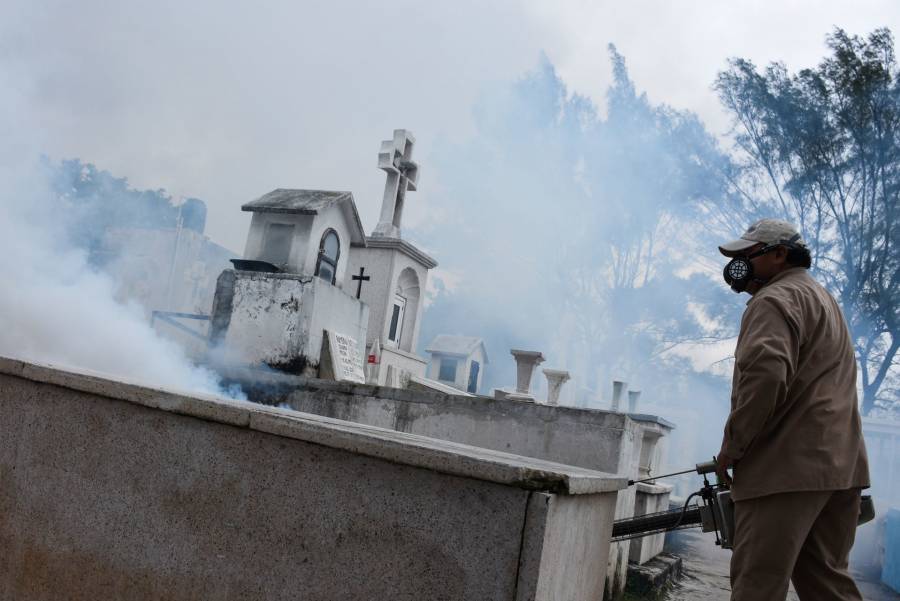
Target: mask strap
pixel 763 251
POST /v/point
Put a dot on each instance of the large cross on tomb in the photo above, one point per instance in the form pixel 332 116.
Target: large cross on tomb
pixel 395 157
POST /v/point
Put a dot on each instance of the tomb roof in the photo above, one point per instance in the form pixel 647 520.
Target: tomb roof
pixel 403 246
pixel 309 202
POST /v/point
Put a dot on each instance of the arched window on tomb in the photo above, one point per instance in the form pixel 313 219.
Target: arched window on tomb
pixel 329 253
pixel 402 318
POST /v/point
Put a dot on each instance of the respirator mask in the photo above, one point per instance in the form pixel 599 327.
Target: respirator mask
pixel 739 272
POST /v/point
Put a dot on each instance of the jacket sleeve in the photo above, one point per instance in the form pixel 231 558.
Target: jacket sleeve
pixel 765 362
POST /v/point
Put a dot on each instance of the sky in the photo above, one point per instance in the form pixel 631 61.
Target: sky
pixel 226 101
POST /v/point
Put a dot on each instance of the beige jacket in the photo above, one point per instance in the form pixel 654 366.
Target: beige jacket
pixel 794 422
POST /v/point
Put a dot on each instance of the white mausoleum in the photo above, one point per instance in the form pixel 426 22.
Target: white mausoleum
pixel 458 361
pixel 390 274
pixel 275 306
pixel 308 267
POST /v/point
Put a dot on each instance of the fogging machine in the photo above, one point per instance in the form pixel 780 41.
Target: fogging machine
pixel 714 513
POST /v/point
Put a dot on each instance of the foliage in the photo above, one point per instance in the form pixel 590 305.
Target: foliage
pixel 589 233
pixel 821 148
pixel 92 201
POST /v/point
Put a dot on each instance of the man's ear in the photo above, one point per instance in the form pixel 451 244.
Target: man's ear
pixel 781 254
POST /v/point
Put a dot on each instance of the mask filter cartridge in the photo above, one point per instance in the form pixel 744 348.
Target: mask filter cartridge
pixel 738 274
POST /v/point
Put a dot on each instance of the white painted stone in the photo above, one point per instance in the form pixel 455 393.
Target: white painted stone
pixel 345 357
pixel 427 384
pixel 649 498
pixel 633 397
pixel 618 390
pixel 467 353
pixel 555 380
pixel 526 361
pixel 311 214
pixel 395 158
pixel 398 271
pixel 404 365
pixel 278 320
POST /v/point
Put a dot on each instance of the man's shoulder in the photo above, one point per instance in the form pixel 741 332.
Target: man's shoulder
pixel 789 286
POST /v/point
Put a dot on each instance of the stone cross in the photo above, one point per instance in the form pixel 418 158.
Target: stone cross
pixel 555 380
pixel 360 279
pixel 395 158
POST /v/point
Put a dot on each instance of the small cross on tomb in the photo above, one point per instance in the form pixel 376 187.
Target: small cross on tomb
pixel 395 158
pixel 360 279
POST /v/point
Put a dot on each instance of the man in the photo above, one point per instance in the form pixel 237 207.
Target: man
pixel 794 435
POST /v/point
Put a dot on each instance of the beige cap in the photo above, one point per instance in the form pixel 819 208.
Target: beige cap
pixel 769 232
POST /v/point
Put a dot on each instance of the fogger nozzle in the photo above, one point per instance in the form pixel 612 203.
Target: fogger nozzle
pixel 707 467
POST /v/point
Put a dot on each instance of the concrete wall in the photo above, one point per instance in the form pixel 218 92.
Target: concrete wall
pixel 593 439
pixel 300 242
pixel 386 265
pixel 890 571
pixel 883 448
pixel 308 232
pixel 377 292
pixel 412 320
pixel 590 438
pixel 114 491
pixel 277 319
pixel 649 498
pixel 336 311
pixel 404 365
pixel 334 218
pixel 145 267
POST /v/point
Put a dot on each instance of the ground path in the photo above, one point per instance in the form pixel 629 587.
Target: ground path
pixel 706 572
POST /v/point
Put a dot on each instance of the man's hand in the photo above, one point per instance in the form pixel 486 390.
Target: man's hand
pixel 723 462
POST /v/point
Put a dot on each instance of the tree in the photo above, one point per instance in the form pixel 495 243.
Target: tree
pixel 822 149
pixel 585 225
pixel 91 201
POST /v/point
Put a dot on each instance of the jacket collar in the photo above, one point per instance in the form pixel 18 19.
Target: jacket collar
pixel 789 272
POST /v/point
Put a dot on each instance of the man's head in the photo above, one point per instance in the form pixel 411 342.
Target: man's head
pixel 767 248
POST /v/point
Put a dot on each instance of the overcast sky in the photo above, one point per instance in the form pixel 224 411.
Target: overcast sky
pixel 226 103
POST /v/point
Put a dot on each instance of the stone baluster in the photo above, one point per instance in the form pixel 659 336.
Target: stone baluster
pixel 633 398
pixel 526 361
pixel 618 389
pixel 555 380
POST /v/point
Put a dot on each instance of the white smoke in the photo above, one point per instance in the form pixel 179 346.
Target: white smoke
pixel 56 309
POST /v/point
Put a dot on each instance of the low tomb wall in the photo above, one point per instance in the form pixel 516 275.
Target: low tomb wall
pixel 114 491
pixel 590 438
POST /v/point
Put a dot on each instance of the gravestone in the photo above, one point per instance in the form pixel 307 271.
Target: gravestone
pixel 341 359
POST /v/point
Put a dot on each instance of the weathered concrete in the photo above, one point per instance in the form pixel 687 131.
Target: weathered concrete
pixel 890 571
pixel 595 439
pixel 526 361
pixel 649 498
pixel 277 319
pixel 310 213
pixel 653 579
pixel 588 438
pixel 555 380
pixel 115 491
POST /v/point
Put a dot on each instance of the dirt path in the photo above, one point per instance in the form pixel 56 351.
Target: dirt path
pixel 706 572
